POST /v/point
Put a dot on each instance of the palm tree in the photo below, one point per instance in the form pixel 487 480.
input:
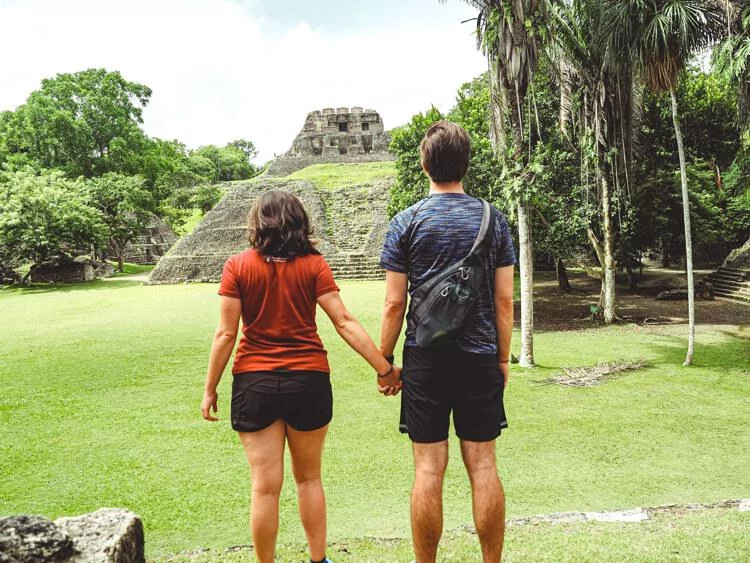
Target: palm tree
pixel 732 58
pixel 662 36
pixel 581 53
pixel 508 33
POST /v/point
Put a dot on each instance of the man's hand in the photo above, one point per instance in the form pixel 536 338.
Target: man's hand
pixel 210 400
pixel 390 385
pixel 505 371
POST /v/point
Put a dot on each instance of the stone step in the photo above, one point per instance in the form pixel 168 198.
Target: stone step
pixel 734 297
pixel 741 271
pixel 731 286
pixel 728 276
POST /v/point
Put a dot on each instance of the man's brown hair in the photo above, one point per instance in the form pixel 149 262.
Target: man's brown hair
pixel 279 226
pixel 445 152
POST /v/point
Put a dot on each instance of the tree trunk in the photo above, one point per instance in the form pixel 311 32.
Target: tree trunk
pixel 608 268
pixel 688 237
pixel 562 276
pixel 120 262
pixel 526 267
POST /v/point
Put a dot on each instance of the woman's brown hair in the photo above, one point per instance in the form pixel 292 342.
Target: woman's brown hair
pixel 279 226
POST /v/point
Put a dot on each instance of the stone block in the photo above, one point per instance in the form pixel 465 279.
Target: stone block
pixel 108 535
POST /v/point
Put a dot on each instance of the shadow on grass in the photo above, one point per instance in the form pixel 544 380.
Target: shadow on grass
pixel 732 354
pixel 96 285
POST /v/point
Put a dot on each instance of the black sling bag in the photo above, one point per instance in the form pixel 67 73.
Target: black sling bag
pixel 441 305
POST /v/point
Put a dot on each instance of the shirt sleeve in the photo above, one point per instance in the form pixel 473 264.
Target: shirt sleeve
pixel 394 258
pixel 324 282
pixel 229 287
pixel 505 255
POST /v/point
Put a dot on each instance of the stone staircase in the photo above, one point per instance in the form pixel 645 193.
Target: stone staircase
pixel 731 283
pixel 355 267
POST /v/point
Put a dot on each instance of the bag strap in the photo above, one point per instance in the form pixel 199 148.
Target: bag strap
pixel 484 228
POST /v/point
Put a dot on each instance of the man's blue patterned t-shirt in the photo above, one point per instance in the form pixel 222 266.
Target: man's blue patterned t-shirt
pixel 442 233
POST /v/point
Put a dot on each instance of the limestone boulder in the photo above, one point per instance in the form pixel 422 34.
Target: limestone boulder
pixel 108 535
pixel 29 539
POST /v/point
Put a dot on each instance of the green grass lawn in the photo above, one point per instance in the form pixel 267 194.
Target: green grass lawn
pixel 331 176
pixel 720 535
pixel 129 269
pixel 100 407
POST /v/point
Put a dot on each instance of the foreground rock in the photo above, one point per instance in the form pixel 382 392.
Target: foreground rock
pixel 108 535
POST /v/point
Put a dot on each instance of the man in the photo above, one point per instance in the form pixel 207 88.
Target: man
pixel 466 377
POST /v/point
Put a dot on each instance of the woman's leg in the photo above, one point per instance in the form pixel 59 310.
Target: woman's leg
pixel 265 454
pixel 307 452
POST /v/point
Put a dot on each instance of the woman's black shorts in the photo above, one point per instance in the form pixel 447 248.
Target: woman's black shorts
pixel 303 399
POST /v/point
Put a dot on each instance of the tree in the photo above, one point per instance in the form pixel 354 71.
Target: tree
pixel 86 123
pixel 509 32
pixel 411 182
pixel 662 35
pixel 44 215
pixel 232 162
pixel 126 206
pixel 603 114
pixel 247 147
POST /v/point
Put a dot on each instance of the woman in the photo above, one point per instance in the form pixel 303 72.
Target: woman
pixel 281 390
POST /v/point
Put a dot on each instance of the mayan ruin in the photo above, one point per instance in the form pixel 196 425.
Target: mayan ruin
pixel 349 222
pixel 335 135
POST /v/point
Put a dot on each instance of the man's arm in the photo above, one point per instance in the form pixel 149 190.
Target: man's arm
pixel 504 315
pixel 396 285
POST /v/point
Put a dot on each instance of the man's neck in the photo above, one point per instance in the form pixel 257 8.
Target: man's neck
pixel 446 188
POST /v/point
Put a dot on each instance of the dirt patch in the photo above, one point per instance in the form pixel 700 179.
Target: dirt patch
pixel 555 310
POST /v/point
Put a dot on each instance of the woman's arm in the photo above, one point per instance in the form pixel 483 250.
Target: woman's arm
pixel 355 336
pixel 221 350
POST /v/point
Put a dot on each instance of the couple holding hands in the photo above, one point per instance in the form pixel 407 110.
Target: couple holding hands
pixel 281 390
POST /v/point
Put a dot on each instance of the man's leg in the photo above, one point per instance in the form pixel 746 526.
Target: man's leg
pixel 430 461
pixel 306 449
pixel 487 496
pixel 265 454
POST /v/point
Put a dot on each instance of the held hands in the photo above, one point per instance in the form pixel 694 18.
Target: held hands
pixel 210 400
pixel 389 384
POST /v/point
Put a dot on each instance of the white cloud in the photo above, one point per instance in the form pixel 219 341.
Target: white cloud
pixel 219 71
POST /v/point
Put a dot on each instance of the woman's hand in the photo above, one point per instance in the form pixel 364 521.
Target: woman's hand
pixel 390 385
pixel 210 400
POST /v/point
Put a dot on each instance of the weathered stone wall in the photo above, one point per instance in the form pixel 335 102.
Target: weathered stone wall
pixel 349 223
pixel 63 271
pixel 154 242
pixel 335 135
pixel 739 258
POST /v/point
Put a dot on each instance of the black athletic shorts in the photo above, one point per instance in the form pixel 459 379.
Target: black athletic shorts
pixel 438 381
pixel 303 399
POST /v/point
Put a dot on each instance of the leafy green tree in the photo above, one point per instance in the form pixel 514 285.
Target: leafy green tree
pixel 43 215
pixel 247 147
pixel 411 182
pixel 126 206
pixel 206 197
pixel 230 162
pixel 86 123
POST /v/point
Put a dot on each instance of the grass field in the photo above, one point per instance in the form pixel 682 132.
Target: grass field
pixel 332 176
pixel 102 383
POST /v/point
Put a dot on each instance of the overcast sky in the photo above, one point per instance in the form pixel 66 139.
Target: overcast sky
pixel 227 69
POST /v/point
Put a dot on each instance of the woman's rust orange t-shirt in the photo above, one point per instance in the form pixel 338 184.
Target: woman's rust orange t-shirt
pixel 279 300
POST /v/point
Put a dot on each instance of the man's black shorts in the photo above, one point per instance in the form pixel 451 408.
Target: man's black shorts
pixel 437 381
pixel 302 399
